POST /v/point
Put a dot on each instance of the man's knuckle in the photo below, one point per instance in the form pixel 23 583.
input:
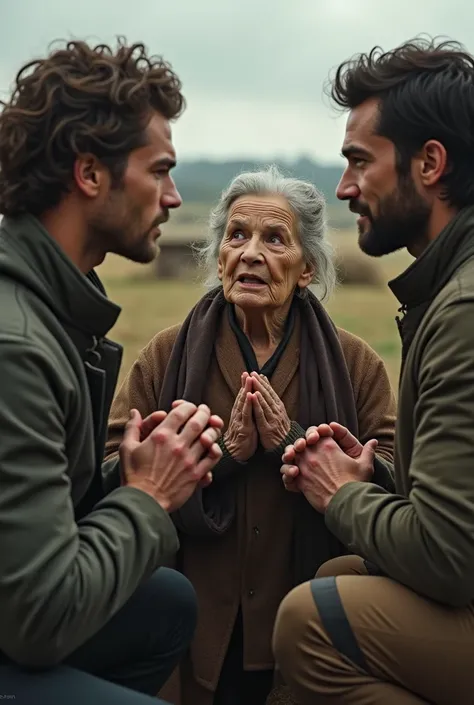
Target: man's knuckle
pixel 188 463
pixel 183 411
pixel 211 435
pixel 160 436
pixel 194 425
pixel 180 415
pixel 179 449
pixel 197 472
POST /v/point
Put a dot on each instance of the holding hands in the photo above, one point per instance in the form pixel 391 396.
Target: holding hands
pixel 168 455
pixel 326 459
pixel 258 413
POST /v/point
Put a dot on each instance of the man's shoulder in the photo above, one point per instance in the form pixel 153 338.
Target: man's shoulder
pixel 26 324
pixel 460 288
pixel 447 329
pixel 17 316
pixel 456 298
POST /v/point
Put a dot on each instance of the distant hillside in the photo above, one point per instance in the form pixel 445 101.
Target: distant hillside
pixel 202 181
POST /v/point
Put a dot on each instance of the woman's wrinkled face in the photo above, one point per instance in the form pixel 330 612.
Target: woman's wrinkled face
pixel 260 258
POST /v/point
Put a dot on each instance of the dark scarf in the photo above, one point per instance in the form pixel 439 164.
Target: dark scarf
pixel 326 394
pixel 247 351
pixel 419 284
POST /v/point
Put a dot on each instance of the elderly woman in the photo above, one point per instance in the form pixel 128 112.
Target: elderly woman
pixel 261 351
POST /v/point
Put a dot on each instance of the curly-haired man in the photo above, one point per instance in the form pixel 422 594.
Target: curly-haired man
pixel 86 611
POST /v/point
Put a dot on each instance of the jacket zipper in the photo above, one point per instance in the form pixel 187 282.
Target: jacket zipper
pixel 399 320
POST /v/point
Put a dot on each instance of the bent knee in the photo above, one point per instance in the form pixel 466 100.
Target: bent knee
pixel 176 592
pixel 344 565
pixel 293 618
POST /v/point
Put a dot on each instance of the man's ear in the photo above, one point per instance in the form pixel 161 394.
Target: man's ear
pixel 432 163
pixel 89 175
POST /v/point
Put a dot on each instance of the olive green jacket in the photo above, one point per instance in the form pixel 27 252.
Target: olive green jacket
pixel 70 555
pixel 423 536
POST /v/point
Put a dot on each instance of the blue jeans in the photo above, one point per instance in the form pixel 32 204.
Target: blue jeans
pixel 127 661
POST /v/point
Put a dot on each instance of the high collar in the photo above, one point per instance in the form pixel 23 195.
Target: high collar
pixel 31 256
pixel 427 275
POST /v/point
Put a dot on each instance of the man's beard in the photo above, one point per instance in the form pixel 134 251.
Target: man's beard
pixel 141 249
pixel 119 232
pixel 401 222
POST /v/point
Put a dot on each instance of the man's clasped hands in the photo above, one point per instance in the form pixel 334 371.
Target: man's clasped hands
pixel 182 444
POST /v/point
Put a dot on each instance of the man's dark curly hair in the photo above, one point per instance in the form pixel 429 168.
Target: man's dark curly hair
pixel 426 91
pixel 79 99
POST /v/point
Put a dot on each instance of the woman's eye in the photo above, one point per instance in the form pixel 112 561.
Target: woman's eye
pixel 275 239
pixel 237 235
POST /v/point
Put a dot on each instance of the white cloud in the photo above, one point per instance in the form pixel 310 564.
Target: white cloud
pixel 253 72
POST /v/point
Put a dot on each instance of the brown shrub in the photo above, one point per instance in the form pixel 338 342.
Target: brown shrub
pixel 356 269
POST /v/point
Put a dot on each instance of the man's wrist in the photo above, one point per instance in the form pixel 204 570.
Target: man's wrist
pixel 150 489
pixel 333 492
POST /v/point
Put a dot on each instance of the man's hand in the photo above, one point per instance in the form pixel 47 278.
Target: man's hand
pixel 290 470
pixel 171 462
pixel 323 468
pixel 150 422
pixel 344 438
pixel 154 419
pixel 326 452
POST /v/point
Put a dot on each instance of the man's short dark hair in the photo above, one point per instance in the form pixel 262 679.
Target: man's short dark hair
pixel 426 91
pixel 79 99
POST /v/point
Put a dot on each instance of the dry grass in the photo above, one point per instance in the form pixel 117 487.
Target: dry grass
pixel 149 305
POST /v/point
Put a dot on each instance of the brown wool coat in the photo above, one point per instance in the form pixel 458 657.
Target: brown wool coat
pixel 249 564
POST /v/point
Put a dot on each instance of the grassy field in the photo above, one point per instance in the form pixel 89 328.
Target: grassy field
pixel 149 305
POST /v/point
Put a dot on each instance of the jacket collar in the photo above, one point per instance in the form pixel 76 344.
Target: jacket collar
pixel 428 274
pixel 31 256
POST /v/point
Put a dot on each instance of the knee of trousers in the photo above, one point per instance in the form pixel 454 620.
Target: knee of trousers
pixel 344 565
pixel 312 615
pixel 169 592
pixel 292 621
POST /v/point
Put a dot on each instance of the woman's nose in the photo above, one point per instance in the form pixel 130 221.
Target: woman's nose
pixel 251 252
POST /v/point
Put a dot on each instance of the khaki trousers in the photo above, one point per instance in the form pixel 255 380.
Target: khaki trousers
pixel 355 638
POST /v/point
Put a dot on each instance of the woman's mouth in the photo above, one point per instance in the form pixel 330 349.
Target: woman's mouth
pixel 250 282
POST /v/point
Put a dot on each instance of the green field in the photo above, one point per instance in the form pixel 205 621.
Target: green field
pixel 149 305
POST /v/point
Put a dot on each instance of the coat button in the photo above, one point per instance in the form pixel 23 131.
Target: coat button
pixel 251 593
pixel 256 530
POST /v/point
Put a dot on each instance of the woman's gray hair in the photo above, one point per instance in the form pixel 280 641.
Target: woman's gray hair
pixel 308 205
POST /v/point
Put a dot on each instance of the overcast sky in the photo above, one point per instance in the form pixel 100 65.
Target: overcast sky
pixel 252 72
